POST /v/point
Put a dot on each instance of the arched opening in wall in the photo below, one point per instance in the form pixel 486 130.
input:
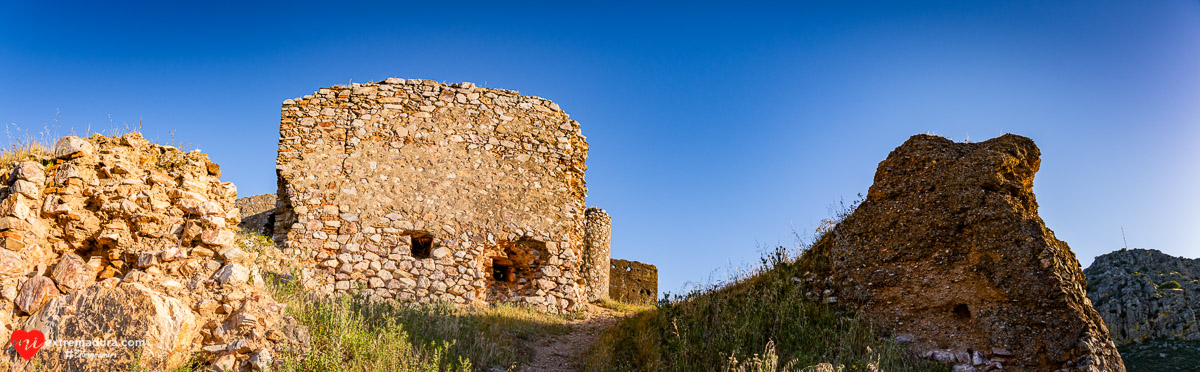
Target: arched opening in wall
pixel 514 268
pixel 422 244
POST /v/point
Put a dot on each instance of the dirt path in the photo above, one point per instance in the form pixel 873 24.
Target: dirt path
pixel 564 352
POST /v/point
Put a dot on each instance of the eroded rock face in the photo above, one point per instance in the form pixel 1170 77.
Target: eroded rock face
pixel 1144 294
pixel 948 251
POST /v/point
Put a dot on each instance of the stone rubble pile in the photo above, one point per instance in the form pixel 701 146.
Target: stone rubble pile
pixel 118 239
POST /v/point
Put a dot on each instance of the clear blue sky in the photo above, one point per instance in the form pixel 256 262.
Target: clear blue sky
pixel 715 128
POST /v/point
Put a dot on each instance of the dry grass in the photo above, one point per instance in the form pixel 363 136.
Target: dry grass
pixel 623 307
pixel 354 333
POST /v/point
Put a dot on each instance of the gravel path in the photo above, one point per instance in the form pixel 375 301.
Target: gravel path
pixel 564 352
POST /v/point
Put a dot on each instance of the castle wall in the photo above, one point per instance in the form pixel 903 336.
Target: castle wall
pixel 596 264
pixel 633 282
pixel 415 190
pixel 258 214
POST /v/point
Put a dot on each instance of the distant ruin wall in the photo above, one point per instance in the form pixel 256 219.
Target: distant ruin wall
pixel 596 265
pixel 258 214
pixel 415 190
pixel 633 282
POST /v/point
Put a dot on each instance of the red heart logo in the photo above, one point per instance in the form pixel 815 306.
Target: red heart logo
pixel 28 343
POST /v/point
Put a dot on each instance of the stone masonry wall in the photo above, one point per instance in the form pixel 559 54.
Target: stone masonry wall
pixel 596 240
pixel 415 190
pixel 258 213
pixel 633 282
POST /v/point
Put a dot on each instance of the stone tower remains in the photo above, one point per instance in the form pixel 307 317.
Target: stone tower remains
pixel 597 253
pixel 415 190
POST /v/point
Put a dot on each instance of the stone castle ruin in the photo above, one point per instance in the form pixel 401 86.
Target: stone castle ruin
pixel 415 190
pixel 633 282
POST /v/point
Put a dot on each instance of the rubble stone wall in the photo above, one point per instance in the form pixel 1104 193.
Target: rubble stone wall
pixel 120 239
pixel 258 214
pixel 415 190
pixel 633 282
pixel 597 252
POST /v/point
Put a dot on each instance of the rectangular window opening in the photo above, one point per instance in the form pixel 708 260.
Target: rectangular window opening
pixel 502 270
pixel 422 245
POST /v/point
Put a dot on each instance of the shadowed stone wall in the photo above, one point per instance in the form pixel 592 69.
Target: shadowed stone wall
pixel 633 282
pixel 258 214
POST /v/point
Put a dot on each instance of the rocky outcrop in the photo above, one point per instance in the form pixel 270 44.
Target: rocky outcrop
pixel 258 214
pixel 127 242
pixel 948 252
pixel 1144 294
pixel 124 312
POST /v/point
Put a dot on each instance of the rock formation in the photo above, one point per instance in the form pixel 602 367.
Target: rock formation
pixel 948 251
pixel 1144 294
pixel 119 240
pixel 633 282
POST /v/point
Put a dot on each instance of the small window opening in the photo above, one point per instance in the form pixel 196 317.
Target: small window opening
pixel 502 270
pixel 422 245
pixel 962 312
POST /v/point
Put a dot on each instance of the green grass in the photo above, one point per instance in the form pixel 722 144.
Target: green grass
pixel 763 322
pixel 1161 355
pixel 351 333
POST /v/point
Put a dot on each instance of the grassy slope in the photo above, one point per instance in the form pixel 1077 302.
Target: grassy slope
pixel 762 323
pixel 353 334
pixel 1161 355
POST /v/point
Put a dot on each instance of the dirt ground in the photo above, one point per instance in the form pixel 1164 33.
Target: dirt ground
pixel 564 352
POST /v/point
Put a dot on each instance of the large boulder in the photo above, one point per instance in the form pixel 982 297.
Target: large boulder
pixel 137 326
pixel 947 250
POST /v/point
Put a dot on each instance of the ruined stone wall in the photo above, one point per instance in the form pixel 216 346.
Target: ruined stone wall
pixel 258 214
pixel 633 282
pixel 120 239
pixel 597 253
pixel 415 190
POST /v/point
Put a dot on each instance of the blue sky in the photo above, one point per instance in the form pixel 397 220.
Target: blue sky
pixel 716 129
